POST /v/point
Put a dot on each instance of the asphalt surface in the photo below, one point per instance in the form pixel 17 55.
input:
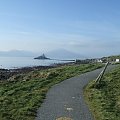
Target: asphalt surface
pixel 66 99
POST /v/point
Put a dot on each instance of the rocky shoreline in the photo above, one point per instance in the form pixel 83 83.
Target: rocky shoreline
pixel 7 73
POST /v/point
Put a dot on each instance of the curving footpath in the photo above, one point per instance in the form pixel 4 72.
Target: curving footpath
pixel 66 100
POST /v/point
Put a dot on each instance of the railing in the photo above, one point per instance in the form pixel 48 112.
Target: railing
pixel 99 78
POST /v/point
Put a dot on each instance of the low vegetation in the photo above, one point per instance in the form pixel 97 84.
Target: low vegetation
pixel 104 99
pixel 21 95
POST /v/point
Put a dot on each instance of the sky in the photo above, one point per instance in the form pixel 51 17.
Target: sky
pixel 87 27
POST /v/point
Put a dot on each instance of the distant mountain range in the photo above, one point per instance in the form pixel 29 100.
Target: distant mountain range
pixel 63 54
pixel 55 54
pixel 16 53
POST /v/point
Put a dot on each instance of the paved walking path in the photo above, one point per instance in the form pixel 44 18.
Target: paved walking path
pixel 66 99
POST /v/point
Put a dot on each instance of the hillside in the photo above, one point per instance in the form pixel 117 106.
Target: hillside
pixel 22 94
pixel 111 58
pixel 104 101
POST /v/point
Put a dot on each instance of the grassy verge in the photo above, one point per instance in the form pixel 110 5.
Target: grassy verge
pixel 104 100
pixel 21 95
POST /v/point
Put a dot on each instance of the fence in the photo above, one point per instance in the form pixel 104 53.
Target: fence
pixel 99 78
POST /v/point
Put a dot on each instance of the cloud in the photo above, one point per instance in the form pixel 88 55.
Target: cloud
pixel 78 44
pixel 99 29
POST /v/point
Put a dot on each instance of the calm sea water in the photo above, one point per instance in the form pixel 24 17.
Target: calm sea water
pixel 17 62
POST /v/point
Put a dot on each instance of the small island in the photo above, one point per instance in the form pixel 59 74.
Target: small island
pixel 42 57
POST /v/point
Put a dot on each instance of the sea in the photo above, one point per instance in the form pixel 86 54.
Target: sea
pixel 19 62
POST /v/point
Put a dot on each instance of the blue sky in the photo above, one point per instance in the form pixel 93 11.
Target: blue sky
pixel 88 27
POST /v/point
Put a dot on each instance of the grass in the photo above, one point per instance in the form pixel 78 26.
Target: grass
pixel 104 100
pixel 21 95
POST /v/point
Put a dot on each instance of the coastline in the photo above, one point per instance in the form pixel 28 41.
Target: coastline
pixel 7 73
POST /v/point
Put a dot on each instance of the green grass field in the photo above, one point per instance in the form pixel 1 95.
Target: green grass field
pixel 22 95
pixel 104 100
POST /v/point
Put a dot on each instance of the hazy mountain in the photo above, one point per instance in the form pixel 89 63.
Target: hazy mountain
pixel 17 53
pixel 63 54
pixel 55 54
